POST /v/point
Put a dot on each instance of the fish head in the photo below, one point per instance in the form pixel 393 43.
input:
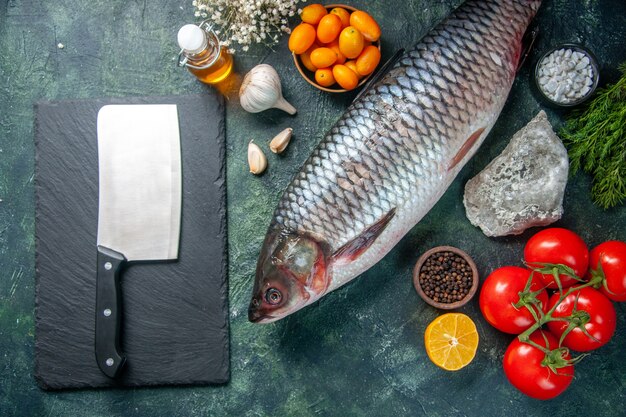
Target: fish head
pixel 291 273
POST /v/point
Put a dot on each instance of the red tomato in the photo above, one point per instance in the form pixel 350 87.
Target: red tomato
pixel 601 319
pixel 610 257
pixel 524 367
pixel 500 292
pixel 558 246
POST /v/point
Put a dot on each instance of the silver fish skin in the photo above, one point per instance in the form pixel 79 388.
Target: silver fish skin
pixel 390 157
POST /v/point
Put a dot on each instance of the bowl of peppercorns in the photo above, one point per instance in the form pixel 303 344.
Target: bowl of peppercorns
pixel 445 277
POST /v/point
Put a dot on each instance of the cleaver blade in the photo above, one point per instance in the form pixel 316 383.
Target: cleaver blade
pixel 139 207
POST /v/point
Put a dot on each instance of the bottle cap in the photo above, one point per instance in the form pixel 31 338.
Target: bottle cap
pixel 192 39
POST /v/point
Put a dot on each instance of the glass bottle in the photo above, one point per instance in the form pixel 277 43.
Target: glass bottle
pixel 202 54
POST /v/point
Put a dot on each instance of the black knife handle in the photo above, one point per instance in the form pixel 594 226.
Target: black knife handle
pixel 109 312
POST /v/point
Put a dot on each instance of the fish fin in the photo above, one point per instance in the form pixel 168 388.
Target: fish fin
pixel 353 249
pixel 469 143
pixel 528 40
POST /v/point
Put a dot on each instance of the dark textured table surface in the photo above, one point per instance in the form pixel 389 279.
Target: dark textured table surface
pixel 359 351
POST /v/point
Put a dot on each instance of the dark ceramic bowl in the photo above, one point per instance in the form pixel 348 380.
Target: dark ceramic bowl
pixel 594 66
pixel 430 301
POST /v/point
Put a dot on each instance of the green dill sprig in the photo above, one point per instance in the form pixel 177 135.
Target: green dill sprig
pixel 596 142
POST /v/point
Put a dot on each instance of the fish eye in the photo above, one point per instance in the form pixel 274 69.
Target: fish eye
pixel 273 296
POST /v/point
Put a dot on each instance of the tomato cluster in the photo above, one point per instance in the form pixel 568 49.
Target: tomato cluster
pixel 578 316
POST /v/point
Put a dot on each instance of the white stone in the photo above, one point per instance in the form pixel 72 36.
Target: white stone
pixel 523 186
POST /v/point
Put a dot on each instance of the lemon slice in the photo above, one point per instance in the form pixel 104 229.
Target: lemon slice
pixel 451 341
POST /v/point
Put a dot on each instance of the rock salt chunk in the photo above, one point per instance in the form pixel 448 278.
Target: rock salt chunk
pixel 581 65
pixel 523 186
pixel 551 86
pixel 585 90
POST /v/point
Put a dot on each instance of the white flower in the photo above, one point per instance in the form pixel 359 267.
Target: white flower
pixel 246 22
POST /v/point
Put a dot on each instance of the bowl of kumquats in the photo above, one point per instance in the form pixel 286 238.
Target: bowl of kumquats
pixel 336 47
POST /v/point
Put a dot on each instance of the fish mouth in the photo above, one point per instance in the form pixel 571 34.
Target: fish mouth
pixel 256 316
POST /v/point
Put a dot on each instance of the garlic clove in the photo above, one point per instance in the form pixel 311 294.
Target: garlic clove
pixel 256 159
pixel 261 90
pixel 280 141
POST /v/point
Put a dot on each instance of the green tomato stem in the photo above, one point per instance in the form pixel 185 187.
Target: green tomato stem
pixel 547 317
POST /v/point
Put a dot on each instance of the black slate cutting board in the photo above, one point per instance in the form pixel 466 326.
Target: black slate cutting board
pixel 175 314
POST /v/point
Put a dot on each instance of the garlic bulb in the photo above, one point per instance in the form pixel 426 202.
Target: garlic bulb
pixel 261 90
pixel 280 141
pixel 256 159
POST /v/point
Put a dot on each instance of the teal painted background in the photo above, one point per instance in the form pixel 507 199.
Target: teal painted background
pixel 359 351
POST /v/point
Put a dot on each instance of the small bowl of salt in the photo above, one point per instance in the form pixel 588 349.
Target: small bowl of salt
pixel 567 75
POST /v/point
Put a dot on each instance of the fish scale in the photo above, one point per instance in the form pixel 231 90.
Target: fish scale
pixel 398 147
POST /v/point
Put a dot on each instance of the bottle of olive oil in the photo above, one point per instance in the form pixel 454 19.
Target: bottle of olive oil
pixel 202 54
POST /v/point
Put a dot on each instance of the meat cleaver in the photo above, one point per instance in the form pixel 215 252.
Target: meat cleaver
pixel 139 207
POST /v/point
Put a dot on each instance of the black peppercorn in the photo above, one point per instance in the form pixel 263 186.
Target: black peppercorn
pixel 445 277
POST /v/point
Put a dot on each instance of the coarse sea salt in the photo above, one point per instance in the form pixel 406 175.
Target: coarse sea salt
pixel 566 75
